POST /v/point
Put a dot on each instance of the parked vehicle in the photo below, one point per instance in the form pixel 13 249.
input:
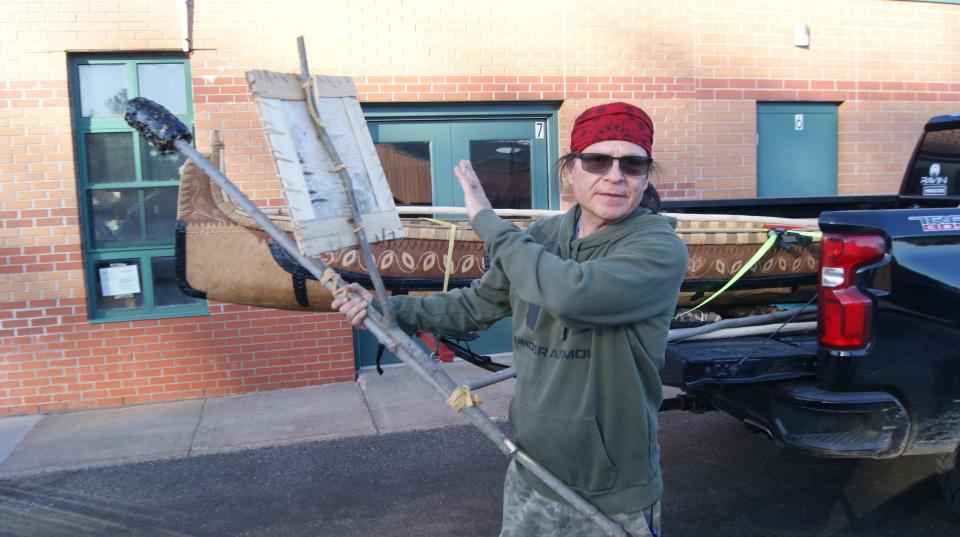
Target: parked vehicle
pixel 879 375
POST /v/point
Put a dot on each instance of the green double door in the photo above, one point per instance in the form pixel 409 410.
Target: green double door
pixel 511 158
pixel 508 155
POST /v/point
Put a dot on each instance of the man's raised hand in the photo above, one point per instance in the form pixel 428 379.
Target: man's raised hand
pixel 474 197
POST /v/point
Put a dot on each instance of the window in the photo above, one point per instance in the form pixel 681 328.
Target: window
pixel 127 191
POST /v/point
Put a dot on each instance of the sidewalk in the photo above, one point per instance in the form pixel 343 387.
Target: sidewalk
pixel 396 401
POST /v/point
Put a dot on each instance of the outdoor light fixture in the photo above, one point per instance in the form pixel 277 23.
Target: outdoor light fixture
pixel 801 35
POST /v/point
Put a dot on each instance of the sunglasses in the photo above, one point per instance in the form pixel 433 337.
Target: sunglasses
pixel 600 163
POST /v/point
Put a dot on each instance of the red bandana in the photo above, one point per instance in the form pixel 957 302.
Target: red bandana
pixel 614 121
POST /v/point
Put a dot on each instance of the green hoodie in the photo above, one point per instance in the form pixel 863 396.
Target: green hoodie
pixel 590 321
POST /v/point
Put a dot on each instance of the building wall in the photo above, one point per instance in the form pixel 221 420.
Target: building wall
pixel 698 66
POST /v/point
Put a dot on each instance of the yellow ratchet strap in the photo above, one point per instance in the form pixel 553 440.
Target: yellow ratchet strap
pixel 448 266
pixel 764 248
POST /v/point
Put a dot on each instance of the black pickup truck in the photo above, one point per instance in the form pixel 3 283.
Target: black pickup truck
pixel 879 377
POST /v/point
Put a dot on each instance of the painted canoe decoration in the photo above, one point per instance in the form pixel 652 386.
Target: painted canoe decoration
pixel 223 255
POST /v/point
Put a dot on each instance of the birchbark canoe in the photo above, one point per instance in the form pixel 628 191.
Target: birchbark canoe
pixel 222 255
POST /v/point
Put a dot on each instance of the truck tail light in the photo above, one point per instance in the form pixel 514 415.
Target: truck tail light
pixel 844 313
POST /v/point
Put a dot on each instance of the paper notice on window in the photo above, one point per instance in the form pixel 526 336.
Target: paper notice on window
pixel 120 280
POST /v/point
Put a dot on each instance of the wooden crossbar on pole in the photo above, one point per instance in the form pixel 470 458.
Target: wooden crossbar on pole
pixel 345 178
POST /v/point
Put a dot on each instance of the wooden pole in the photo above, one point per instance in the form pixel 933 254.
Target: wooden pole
pixel 752 320
pixel 167 133
pixel 403 347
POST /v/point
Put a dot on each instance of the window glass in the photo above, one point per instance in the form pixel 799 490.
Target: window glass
pixel 503 167
pixel 110 158
pixel 407 167
pixel 936 170
pixel 163 83
pixel 103 90
pixel 160 208
pixel 118 284
pixel 114 217
pixel 159 167
pixel 165 289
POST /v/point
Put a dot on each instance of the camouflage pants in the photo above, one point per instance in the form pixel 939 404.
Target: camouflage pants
pixel 526 513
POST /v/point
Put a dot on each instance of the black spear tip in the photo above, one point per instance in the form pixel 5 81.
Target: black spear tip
pixel 156 124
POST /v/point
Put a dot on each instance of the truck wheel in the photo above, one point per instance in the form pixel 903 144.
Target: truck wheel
pixel 948 474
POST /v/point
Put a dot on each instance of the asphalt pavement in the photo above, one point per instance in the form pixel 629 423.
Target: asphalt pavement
pixel 385 455
pixel 443 482
pixel 373 405
pixel 721 481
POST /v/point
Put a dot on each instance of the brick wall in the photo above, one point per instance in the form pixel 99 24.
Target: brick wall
pixel 51 357
pixel 698 66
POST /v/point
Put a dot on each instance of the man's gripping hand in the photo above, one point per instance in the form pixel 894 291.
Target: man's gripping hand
pixel 353 304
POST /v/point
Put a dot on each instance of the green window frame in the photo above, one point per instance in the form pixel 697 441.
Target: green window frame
pixel 126 190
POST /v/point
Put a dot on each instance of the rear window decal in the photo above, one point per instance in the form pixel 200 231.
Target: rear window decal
pixel 934 184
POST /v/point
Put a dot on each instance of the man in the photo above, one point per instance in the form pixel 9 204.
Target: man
pixel 592 292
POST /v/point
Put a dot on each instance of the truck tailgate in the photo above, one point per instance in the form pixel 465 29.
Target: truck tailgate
pixel 738 360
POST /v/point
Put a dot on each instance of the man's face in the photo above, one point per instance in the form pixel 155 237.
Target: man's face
pixel 606 198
